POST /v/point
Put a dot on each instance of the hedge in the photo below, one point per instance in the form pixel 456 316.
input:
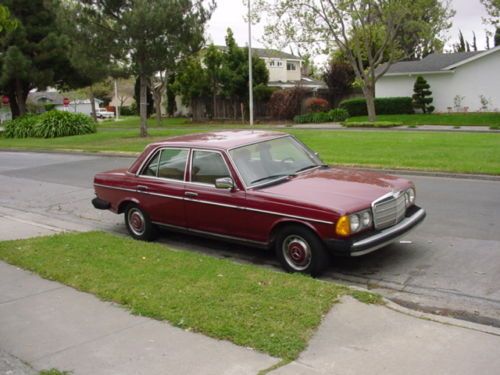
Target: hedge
pixel 50 124
pixel 383 106
pixel 334 115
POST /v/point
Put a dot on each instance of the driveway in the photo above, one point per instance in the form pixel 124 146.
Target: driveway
pixel 449 265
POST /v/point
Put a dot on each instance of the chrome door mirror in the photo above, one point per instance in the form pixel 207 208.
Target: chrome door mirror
pixel 224 183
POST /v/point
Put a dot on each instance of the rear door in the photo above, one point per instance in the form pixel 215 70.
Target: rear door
pixel 161 186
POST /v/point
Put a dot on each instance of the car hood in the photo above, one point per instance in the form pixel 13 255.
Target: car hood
pixel 337 189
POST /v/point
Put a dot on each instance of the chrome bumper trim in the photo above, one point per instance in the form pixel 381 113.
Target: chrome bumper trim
pixel 388 235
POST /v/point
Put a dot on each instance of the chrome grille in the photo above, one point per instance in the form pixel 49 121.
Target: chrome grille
pixel 389 211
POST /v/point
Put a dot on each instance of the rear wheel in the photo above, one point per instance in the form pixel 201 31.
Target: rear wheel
pixel 300 250
pixel 138 223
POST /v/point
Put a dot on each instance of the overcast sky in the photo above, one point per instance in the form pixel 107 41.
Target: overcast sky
pixel 229 13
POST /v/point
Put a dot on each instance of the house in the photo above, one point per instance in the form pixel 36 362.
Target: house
pixel 285 70
pixel 463 81
pixel 42 98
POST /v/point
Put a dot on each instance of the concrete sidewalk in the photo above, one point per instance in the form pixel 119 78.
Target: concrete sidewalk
pixel 358 339
pixel 50 325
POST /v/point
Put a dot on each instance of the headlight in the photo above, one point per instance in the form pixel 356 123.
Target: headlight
pixel 366 219
pixel 355 223
pixel 410 197
pixel 350 224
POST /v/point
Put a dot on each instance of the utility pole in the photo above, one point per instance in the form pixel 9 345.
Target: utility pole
pixel 117 107
pixel 250 78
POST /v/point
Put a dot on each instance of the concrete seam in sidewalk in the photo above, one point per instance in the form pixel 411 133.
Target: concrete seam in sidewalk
pixel 32 295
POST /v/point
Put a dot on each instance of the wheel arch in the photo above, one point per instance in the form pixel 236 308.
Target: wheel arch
pixel 124 203
pixel 282 223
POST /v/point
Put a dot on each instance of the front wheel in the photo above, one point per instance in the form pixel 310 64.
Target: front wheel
pixel 138 223
pixel 300 250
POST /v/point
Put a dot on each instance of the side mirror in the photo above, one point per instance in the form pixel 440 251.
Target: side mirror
pixel 224 183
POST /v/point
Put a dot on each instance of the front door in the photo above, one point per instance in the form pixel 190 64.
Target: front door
pixel 209 209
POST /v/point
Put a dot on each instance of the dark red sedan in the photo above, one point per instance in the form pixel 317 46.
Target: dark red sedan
pixel 262 188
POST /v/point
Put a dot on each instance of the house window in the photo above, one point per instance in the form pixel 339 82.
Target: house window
pixel 271 63
pixel 290 66
pixel 280 63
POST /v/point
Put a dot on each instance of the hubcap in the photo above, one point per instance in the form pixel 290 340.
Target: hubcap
pixel 297 252
pixel 136 221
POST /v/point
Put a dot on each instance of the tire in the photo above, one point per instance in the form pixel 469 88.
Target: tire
pixel 300 250
pixel 139 224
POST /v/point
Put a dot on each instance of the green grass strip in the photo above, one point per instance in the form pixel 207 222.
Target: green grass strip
pixel 270 311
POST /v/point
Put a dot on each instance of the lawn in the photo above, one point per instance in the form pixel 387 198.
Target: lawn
pixel 455 119
pixel 252 306
pixel 449 152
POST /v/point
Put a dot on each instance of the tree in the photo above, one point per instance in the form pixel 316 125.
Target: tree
pixel 33 54
pixel 474 42
pixel 234 71
pixel 497 37
pixel 422 28
pixel 7 23
pixel 339 78
pixel 153 34
pixel 149 97
pixel 364 30
pixel 422 95
pixel 213 59
pixel 493 10
pixel 462 45
pixel 89 51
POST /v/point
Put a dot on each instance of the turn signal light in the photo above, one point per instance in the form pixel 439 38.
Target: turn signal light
pixel 343 226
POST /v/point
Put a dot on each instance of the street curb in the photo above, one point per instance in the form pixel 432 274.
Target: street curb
pixel 410 172
pixel 433 317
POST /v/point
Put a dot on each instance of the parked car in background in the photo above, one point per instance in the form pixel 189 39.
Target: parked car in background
pixel 104 113
pixel 262 188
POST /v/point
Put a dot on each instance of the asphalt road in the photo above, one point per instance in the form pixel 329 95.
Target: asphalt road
pixel 449 265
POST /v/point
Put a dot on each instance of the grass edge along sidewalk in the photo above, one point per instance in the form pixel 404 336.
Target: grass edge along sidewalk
pixel 252 306
pixel 426 151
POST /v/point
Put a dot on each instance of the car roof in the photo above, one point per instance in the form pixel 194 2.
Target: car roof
pixel 220 140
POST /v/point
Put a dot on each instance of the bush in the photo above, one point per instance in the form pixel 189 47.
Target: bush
pixel 21 127
pixel 375 124
pixel 285 104
pixel 338 115
pixel 127 111
pixel 316 105
pixel 383 106
pixel 263 93
pixel 335 115
pixel 50 124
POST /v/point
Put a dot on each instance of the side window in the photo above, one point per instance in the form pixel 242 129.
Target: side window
pixel 207 166
pixel 172 163
pixel 152 168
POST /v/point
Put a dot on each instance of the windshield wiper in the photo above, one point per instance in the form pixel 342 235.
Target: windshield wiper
pixel 270 177
pixel 305 168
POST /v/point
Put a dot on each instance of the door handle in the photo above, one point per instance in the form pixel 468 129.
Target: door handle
pixel 190 194
pixel 142 187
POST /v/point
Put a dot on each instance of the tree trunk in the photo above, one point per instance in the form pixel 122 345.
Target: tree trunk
pixel 20 98
pixel 157 100
pixel 369 92
pixel 92 103
pixel 242 108
pixel 143 106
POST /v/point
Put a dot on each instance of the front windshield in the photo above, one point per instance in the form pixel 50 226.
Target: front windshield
pixel 270 160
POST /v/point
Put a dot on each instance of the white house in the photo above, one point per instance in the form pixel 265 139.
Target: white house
pixel 463 81
pixel 53 97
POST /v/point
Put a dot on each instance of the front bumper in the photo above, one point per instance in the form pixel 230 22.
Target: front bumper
pixel 373 241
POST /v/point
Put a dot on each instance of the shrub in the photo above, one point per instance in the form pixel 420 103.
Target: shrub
pixel 263 93
pixel 49 106
pixel 375 124
pixel 21 127
pixel 50 125
pixel 285 104
pixel 338 115
pixel 383 106
pixel 422 98
pixel 316 105
pixel 335 115
pixel 127 111
pixel 54 124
